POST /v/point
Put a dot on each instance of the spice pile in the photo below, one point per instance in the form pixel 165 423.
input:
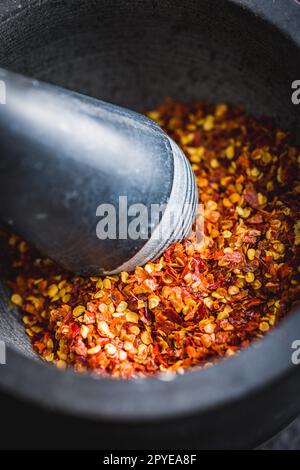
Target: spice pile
pixel 198 302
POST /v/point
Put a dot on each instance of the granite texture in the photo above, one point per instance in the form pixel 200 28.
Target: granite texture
pixel 288 439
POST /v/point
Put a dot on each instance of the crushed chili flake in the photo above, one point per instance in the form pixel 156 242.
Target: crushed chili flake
pixel 199 301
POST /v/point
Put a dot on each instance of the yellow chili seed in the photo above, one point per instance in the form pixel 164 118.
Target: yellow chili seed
pixel 211 205
pixel 124 277
pixel 84 331
pixel 266 158
pixel 128 346
pixel 122 355
pixel 142 350
pixel 78 311
pixel 94 350
pixel 98 295
pixel 107 284
pixel 22 247
pixel 240 283
pixel 234 198
pixel 206 340
pixel 134 330
pixel 227 234
pixel 243 212
pixel 103 308
pixel 222 316
pixel 153 302
pixel 227 202
pixel 279 247
pixel 208 123
pixel 146 338
pixel 257 284
pixel 233 290
pixel 254 172
pixel 221 109
pixel 251 254
pixel 140 304
pixel 122 306
pixel 49 357
pixel 36 329
pixel 264 326
pixel 230 152
pixel 148 268
pixel 104 329
pixel 132 317
pixel 17 300
pixel 111 308
pixel 214 163
pixel 249 277
pixel 209 328
pixel 66 298
pixel 110 349
pixel 62 355
pixel 53 290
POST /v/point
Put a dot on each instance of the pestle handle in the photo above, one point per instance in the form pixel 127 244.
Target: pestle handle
pixel 65 157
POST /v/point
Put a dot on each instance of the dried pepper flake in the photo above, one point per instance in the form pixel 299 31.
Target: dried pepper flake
pixel 198 302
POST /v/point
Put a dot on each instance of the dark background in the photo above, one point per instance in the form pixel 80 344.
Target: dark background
pixel 25 427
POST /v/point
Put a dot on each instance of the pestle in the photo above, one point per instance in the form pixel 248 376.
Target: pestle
pixel 96 187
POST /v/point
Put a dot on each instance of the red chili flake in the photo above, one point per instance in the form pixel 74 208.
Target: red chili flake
pixel 251 197
pixel 172 316
pixel 202 300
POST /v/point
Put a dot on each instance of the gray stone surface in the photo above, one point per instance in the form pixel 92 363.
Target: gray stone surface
pixel 288 439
